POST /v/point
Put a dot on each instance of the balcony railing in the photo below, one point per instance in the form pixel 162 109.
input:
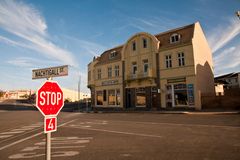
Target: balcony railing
pixel 139 76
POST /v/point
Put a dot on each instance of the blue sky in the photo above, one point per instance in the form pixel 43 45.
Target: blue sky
pixel 38 34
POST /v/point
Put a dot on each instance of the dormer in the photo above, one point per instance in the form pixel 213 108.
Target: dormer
pixel 175 38
pixel 113 54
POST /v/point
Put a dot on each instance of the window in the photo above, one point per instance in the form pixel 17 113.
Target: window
pixel 117 71
pixel 104 95
pixel 112 54
pixel 99 98
pixel 175 38
pixel 89 75
pixel 118 98
pixel 114 97
pixel 99 74
pixel 134 46
pixel 145 67
pixel 109 72
pixel 111 97
pixel 181 61
pixel 140 97
pixel 134 68
pixel 168 60
pixel 144 43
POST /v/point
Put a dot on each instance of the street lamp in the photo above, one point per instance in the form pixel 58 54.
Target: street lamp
pixel 238 14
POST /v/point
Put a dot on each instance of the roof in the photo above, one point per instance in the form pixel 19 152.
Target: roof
pixel 229 75
pixel 186 33
pixel 104 58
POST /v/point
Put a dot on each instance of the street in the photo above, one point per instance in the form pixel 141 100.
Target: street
pixel 110 136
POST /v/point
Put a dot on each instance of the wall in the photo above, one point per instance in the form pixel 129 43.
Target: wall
pixel 203 64
pixel 221 102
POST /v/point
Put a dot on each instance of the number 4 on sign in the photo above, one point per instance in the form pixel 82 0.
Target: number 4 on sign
pixel 50 124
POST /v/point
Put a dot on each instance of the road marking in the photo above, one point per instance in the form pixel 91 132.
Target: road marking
pixel 12 132
pixel 175 124
pixel 119 132
pixel 32 136
pixel 67 143
pixel 5 136
pixel 20 129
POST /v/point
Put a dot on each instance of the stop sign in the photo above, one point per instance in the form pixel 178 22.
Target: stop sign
pixel 49 98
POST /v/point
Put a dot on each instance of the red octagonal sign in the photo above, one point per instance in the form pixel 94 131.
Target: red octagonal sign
pixel 50 98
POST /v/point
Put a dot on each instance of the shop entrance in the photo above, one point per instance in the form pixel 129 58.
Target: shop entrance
pixel 177 95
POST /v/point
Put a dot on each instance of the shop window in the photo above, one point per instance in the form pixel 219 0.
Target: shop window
pixel 118 97
pixel 111 97
pixel 140 97
pixel 99 97
pixel 104 95
pixel 180 94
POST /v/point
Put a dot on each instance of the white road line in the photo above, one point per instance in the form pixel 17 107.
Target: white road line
pixel 12 132
pixel 5 136
pixel 32 136
pixel 119 132
pixel 176 124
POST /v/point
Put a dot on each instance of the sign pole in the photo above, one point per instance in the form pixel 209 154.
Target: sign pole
pixel 48 146
pixel 48 139
pixel 49 100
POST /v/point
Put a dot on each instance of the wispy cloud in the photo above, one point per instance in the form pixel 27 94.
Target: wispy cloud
pixel 88 47
pixel 29 62
pixel 26 22
pixel 227 59
pixel 222 35
pixel 148 24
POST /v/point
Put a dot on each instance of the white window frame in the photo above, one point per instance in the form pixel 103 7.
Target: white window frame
pixel 174 38
pixel 134 66
pixel 109 72
pixel 181 59
pixel 168 61
pixel 145 63
pixel 116 70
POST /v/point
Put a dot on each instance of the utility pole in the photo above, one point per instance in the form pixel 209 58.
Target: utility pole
pixel 79 87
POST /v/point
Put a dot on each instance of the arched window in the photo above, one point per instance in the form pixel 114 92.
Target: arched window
pixel 175 38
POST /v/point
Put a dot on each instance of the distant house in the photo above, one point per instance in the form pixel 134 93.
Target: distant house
pixel 230 81
pixel 71 95
pixel 18 94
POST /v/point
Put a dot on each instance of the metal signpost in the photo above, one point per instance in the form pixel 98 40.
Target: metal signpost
pixel 49 100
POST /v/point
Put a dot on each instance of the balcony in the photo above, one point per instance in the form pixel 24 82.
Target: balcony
pixel 140 76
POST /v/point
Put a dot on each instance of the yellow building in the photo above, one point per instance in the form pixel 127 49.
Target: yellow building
pixel 170 69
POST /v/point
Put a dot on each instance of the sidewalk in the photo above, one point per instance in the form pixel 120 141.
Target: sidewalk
pixel 202 112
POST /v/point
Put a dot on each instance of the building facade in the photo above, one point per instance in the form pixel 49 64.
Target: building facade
pixel 170 69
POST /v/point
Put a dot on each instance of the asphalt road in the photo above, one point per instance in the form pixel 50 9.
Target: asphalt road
pixel 106 136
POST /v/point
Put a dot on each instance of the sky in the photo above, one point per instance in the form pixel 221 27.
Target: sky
pixel 39 33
